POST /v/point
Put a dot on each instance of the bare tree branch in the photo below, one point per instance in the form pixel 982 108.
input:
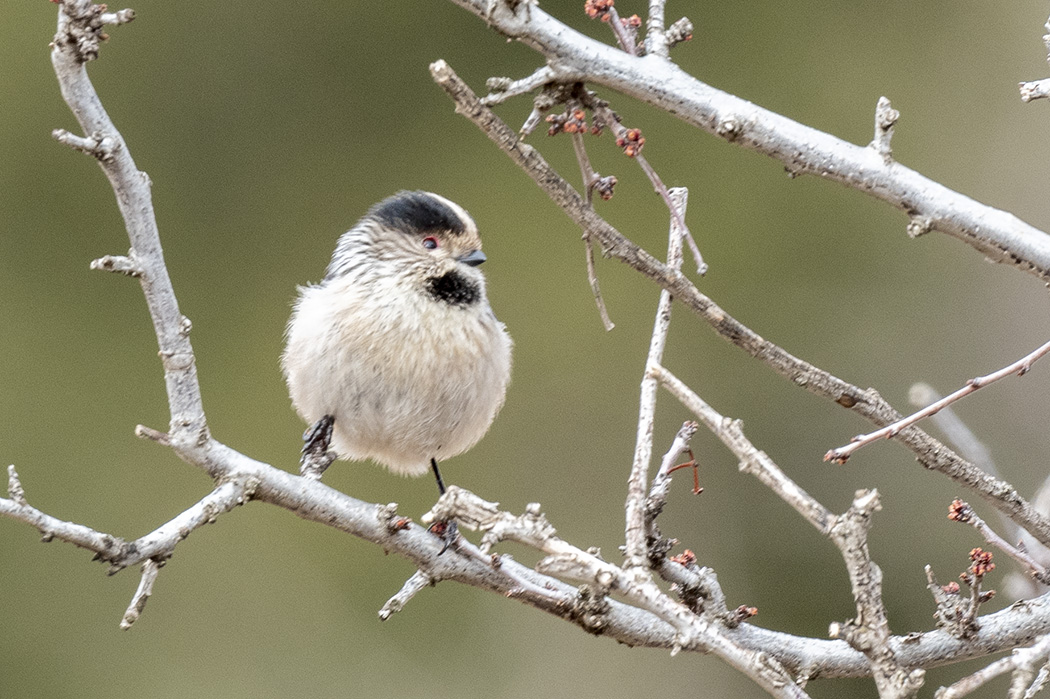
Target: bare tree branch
pixel 870 632
pixel 1021 367
pixel 868 403
pixel 885 118
pixel 1038 89
pixel 656 36
pixel 623 602
pixel 150 570
pixel 636 553
pixel 573 57
pixel 752 461
pixel 565 560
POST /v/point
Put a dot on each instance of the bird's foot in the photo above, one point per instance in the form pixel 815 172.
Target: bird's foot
pixel 447 531
pixel 316 458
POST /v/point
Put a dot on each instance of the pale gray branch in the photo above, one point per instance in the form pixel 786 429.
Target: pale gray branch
pixel 650 617
pixel 75 43
pixel 868 403
pixel 150 570
pixel 410 589
pixel 869 632
pixel 565 560
pixel 1019 367
pixel 1034 90
pixel 636 553
pixel 885 118
pixel 752 461
pixel 803 150
pixel 1021 659
pixel 656 38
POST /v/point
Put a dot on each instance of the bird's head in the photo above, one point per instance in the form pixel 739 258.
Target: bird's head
pixel 419 236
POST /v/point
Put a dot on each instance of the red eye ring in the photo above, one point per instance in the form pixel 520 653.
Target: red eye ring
pixel 430 242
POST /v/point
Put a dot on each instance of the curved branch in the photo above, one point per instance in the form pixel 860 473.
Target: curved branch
pixel 803 150
pixel 76 42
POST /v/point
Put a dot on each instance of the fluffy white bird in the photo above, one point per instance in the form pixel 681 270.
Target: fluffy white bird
pixel 396 355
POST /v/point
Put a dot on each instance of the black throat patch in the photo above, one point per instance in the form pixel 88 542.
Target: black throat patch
pixel 454 289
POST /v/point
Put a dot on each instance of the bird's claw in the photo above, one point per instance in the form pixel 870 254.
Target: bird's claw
pixel 318 436
pixel 447 531
pixel 315 455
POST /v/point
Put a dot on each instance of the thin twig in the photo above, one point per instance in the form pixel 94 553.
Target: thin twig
pixel 958 434
pixel 592 279
pixel 590 177
pixel 1020 658
pixel 655 37
pixel 503 89
pixel 1020 367
pixel 609 118
pixel 635 551
pixel 158 544
pixel 972 683
pixel 150 570
pixel 623 38
pixel 885 118
pixel 962 512
pixel 752 461
pixel 75 43
pixel 661 485
pixel 412 586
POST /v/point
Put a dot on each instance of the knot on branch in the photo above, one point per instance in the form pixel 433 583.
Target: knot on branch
pixel 80 29
pixel 919 225
pixel 1034 89
pixel 531 525
pixel 729 128
pixel 394 523
pixel 657 547
pixel 680 31
pixel 14 487
pixel 119 264
pixel 885 118
pixel 97 145
pixel 590 609
pixel 956 613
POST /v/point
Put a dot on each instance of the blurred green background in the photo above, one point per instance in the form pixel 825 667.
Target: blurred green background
pixel 268 128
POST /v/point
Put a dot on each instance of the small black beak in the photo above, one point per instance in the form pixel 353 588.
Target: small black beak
pixel 472 258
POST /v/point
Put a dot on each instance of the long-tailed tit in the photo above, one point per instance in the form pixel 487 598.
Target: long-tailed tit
pixel 395 355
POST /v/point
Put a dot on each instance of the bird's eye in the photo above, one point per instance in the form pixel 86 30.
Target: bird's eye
pixel 430 242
